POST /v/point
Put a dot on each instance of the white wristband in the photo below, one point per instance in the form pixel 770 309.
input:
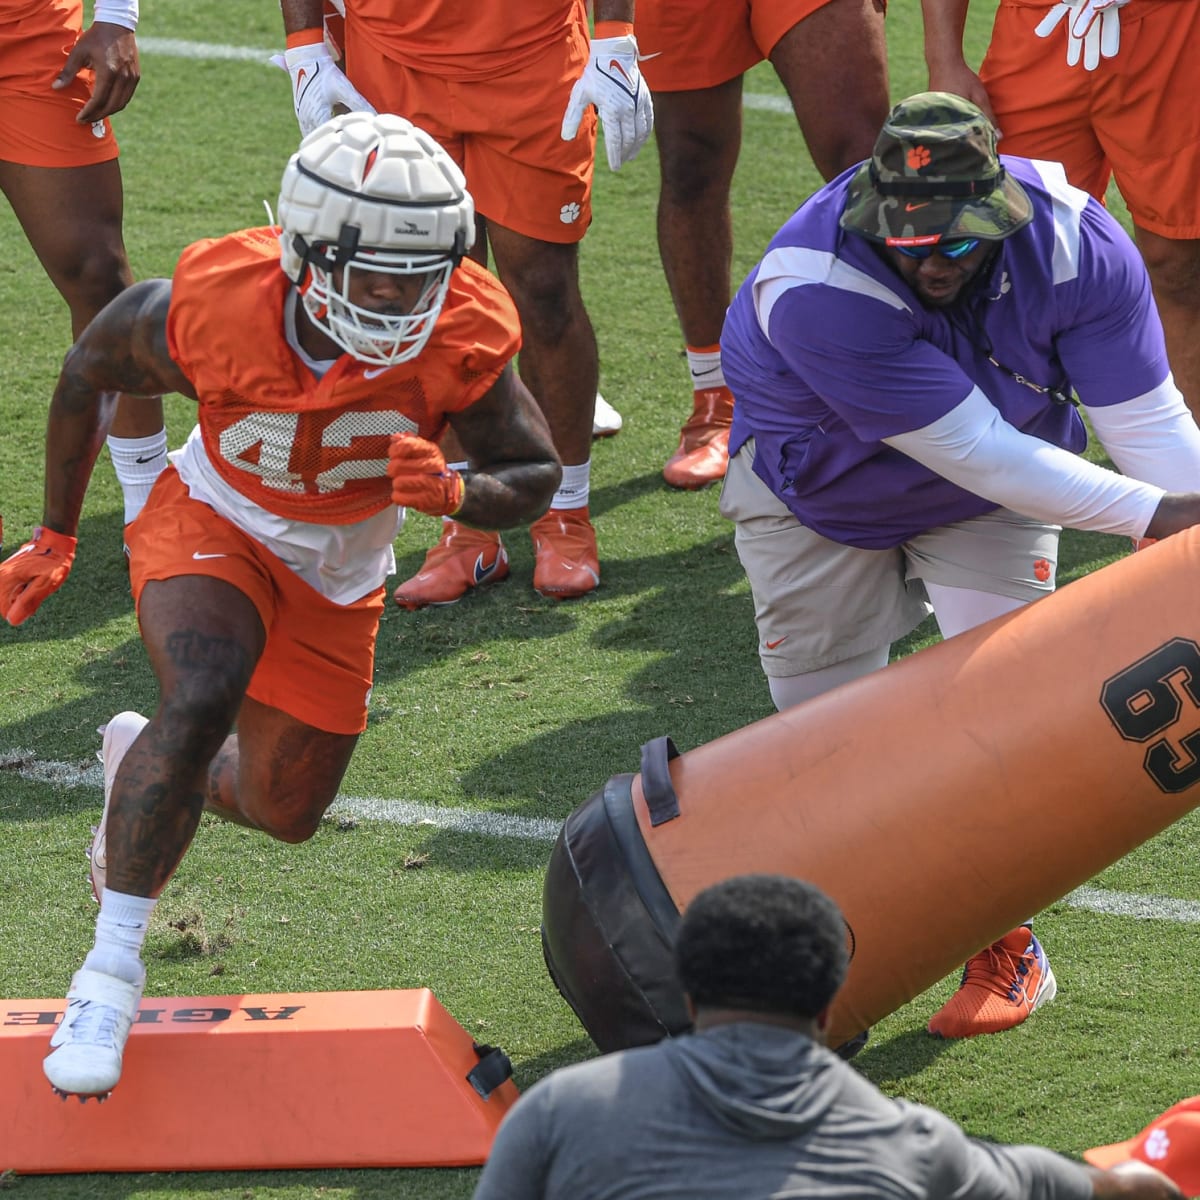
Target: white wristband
pixel 117 12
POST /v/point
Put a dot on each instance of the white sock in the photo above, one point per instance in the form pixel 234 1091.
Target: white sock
pixel 575 487
pixel 705 366
pixel 120 933
pixel 138 463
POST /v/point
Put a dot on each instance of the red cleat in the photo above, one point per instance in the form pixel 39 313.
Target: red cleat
pixel 1000 987
pixel 703 453
pixel 463 558
pixel 566 563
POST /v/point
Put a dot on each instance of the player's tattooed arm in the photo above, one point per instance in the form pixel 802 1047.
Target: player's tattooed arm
pixel 123 350
pixel 514 467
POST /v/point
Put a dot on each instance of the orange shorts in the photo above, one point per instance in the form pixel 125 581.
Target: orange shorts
pixel 319 657
pixel 503 131
pixel 1135 117
pixel 37 123
pixel 685 45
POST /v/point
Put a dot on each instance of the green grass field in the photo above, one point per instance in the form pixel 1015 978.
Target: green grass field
pixel 506 705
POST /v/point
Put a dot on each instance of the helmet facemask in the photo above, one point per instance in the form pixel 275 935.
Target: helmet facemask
pixel 371 336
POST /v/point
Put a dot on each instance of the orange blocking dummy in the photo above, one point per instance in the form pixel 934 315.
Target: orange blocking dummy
pixel 319 1079
pixel 941 801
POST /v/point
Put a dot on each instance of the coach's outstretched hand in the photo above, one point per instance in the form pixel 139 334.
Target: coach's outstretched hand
pixel 37 570
pixel 1134 1181
pixel 421 479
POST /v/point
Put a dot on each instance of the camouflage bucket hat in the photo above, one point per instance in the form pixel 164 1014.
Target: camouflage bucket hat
pixel 935 173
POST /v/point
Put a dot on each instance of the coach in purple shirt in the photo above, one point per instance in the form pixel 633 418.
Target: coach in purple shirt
pixel 909 362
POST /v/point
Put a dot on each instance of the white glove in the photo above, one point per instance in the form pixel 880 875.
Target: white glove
pixel 1093 29
pixel 317 85
pixel 612 82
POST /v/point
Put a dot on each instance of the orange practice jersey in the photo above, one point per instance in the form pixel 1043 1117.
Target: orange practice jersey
pixel 307 449
pixel 461 39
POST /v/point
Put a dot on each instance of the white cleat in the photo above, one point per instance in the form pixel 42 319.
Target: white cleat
pixel 605 419
pixel 87 1046
pixel 119 734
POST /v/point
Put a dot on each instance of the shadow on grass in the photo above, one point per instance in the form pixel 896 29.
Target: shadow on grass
pixel 900 1057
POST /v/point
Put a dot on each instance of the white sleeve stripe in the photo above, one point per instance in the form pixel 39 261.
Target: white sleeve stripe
pixel 795 266
pixel 1069 203
pixel 975 448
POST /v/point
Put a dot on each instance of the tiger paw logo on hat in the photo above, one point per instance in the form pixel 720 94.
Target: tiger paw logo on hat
pixel 918 157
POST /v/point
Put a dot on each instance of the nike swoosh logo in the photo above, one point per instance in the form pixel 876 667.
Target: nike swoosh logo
pixel 614 65
pixel 481 572
pixel 707 371
pixel 643 57
pixel 777 642
pixel 150 457
pixel 374 374
pixel 197 555
pixel 913 207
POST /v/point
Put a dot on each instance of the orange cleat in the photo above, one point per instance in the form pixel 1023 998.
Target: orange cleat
pixel 1000 987
pixel 462 559
pixel 564 546
pixel 703 452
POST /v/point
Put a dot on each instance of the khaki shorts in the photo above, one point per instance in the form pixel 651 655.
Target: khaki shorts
pixel 817 602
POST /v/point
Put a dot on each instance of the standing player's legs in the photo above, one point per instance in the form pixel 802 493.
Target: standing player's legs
pixel 1174 267
pixel 699 137
pixel 72 218
pixel 63 181
pixel 533 190
pixel 1151 127
pixel 840 101
pixel 693 57
pixel 560 366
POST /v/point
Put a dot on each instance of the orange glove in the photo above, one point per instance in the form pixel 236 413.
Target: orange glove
pixel 420 477
pixel 36 571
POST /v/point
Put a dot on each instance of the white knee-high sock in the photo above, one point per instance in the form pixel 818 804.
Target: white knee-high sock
pixel 138 463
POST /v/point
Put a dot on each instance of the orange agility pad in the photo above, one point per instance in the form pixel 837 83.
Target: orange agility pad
pixel 326 1079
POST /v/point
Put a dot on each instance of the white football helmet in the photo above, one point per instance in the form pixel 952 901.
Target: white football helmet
pixel 372 192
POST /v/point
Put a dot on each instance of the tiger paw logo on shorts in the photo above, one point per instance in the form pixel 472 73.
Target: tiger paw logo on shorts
pixel 918 157
pixel 569 213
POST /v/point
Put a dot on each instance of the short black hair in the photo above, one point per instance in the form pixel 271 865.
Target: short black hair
pixel 767 943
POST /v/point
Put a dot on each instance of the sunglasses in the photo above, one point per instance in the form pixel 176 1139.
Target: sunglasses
pixel 950 248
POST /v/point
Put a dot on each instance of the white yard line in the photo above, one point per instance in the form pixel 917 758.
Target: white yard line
pixel 27 765
pixel 176 48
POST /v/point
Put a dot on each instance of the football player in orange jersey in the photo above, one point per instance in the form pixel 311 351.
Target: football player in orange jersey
pixel 59 172
pixel 509 91
pixel 259 559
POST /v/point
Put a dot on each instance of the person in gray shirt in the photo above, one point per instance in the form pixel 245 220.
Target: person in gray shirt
pixel 752 1104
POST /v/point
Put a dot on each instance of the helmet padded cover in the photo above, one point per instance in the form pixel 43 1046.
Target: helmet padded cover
pixel 381 175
